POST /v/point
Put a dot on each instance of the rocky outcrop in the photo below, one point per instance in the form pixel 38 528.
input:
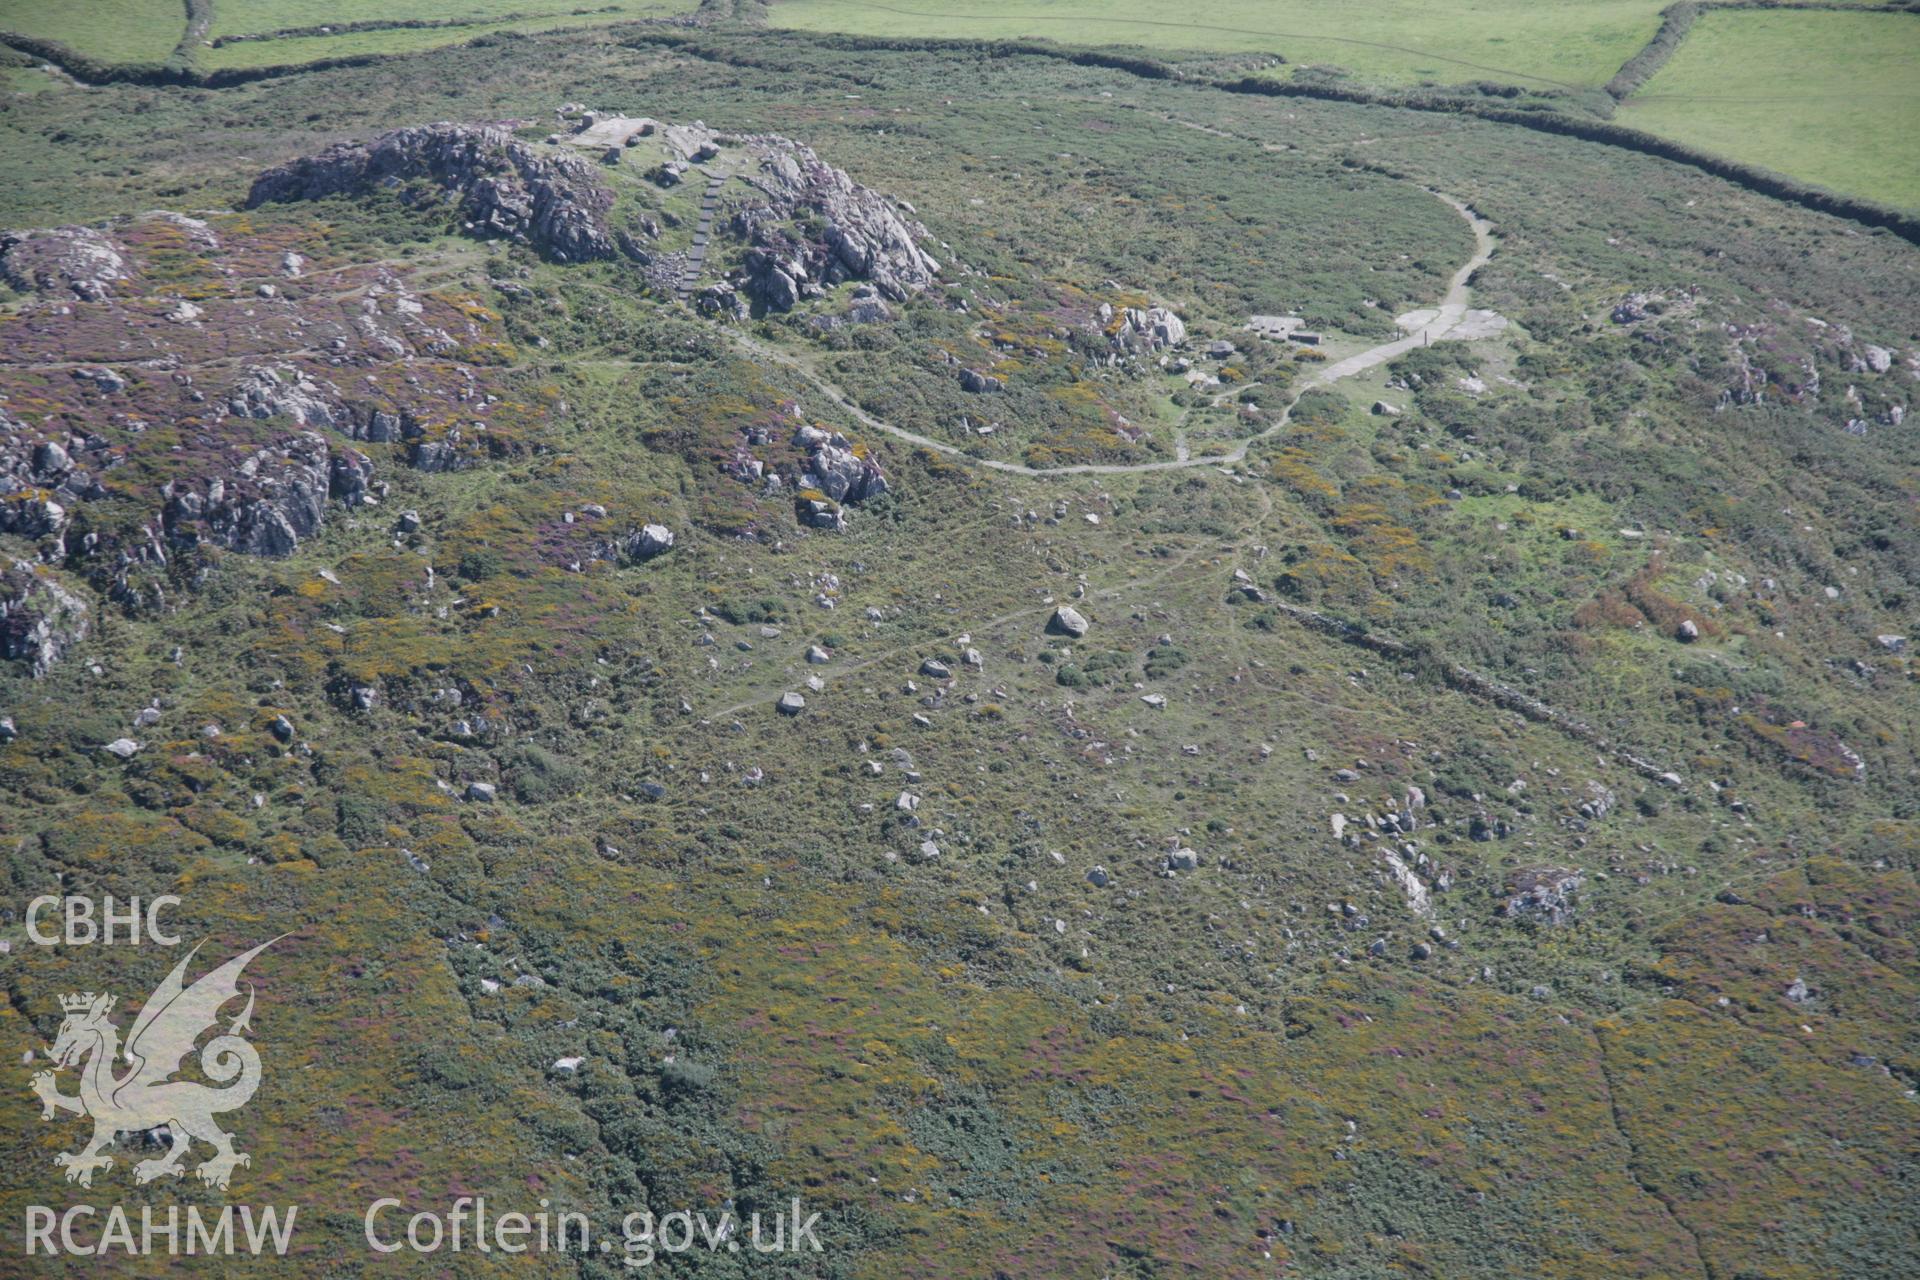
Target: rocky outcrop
pixel 1631 309
pixel 810 228
pixel 554 201
pixel 43 479
pixel 267 504
pixel 838 475
pixel 837 469
pixel 721 299
pixel 1152 328
pixel 817 511
pixel 862 234
pixel 826 473
pixel 647 542
pixel 1543 894
pixel 262 391
pixel 31 513
pixel 40 620
pixel 266 391
pixel 64 262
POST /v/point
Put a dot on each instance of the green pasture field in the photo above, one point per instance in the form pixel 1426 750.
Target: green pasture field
pixel 110 30
pixel 299 50
pixel 26 80
pixel 252 17
pixel 1564 44
pixel 1831 98
pixel 127 31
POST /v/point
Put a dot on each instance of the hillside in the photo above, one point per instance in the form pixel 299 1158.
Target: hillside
pixel 1090 672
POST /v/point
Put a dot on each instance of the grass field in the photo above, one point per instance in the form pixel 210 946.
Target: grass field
pixel 1565 44
pixel 1828 97
pixel 123 31
pixel 25 80
pixel 299 50
pixel 110 30
pixel 251 17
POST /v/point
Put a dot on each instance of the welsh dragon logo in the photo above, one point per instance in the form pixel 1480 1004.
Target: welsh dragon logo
pixel 144 1098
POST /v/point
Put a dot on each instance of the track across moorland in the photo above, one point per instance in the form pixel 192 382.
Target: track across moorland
pixel 1452 307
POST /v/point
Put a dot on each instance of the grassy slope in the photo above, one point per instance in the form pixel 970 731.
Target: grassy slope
pixel 1566 43
pixel 1829 97
pixel 110 30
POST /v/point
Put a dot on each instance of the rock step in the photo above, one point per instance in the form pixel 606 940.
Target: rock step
pixel 709 208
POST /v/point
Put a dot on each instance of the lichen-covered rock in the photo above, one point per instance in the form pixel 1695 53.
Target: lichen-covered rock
pixel 106 381
pixel 50 458
pixel 694 142
pixel 554 201
pixel 1069 621
pixel 1151 328
pixel 835 469
pixel 436 455
pixel 267 391
pixel 817 511
pixel 31 513
pixel 40 619
pixel 67 262
pixel 868 307
pixel 863 235
pixel 721 299
pixel 1543 894
pixel 272 500
pixel 348 474
pixel 647 542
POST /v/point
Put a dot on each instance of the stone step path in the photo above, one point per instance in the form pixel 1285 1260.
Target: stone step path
pixel 709 206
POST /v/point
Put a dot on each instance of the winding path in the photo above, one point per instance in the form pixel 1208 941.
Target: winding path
pixel 1453 306
pixel 1463 680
